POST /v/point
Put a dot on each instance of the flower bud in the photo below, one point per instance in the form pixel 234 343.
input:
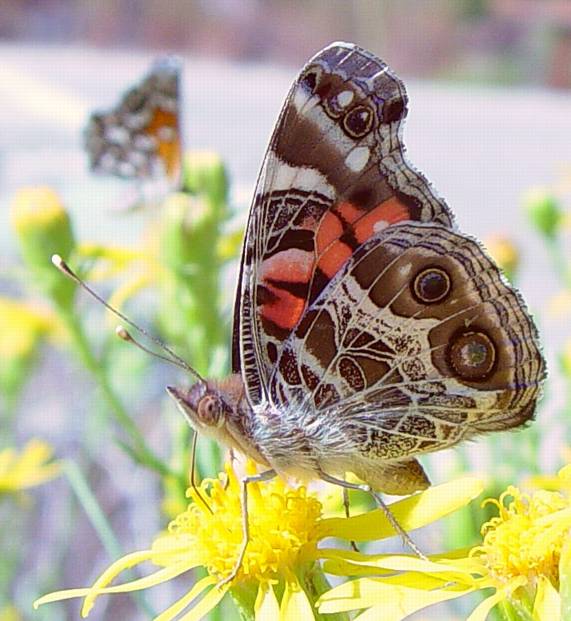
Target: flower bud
pixel 543 211
pixel 565 360
pixel 505 253
pixel 22 329
pixel 43 229
pixel 204 173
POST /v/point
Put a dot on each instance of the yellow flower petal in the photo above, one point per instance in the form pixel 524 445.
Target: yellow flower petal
pixel 91 593
pixel 387 601
pixel 126 562
pixel 22 326
pixel 10 613
pixel 565 579
pixel 27 469
pixel 206 604
pixel 480 613
pixel 295 603
pixel 412 512
pixel 168 550
pixel 266 607
pixel 547 604
pixel 394 562
pixel 172 611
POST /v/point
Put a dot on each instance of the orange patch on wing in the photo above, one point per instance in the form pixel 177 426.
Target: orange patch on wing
pixel 284 310
pixel 329 230
pixel 333 258
pixel 388 212
pixel 169 150
pixel 349 212
pixel 293 265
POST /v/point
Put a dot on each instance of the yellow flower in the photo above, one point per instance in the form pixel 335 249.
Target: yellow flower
pixel 139 267
pixel 280 571
pixel 524 557
pixel 505 253
pixel 43 228
pixel 29 468
pixel 21 325
pixel 9 613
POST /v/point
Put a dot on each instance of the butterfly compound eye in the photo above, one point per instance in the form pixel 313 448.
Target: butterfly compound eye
pixel 472 355
pixel 431 285
pixel 209 411
pixel 358 122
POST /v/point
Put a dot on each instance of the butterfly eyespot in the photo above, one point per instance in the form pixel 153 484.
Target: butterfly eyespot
pixel 472 355
pixel 358 122
pixel 431 285
pixel 209 410
pixel 336 104
pixel 394 111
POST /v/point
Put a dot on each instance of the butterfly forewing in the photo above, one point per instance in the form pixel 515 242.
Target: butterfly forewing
pixel 333 176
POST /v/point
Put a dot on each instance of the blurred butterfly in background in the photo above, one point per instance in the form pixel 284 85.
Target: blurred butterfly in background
pixel 140 138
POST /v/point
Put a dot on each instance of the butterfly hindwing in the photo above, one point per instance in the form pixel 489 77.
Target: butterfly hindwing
pixel 416 344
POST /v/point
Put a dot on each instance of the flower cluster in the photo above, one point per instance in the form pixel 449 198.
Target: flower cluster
pixel 280 575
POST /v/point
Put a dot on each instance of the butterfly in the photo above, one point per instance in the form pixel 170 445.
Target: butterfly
pixel 140 138
pixel 368 329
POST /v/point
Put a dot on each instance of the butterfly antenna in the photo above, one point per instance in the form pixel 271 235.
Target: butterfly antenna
pixel 172 357
pixel 126 336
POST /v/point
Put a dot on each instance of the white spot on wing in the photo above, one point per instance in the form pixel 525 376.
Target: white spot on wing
pixel 282 176
pixel 358 158
pixel 380 225
pixel 405 269
pixel 300 97
pixel 345 98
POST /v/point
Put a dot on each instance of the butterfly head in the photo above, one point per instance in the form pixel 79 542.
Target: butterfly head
pixel 203 405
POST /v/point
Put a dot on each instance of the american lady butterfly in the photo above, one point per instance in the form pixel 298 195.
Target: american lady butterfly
pixel 367 329
pixel 140 138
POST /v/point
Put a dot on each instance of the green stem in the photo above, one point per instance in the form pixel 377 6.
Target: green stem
pixel 82 346
pixel 315 584
pixel 99 522
pixel 559 261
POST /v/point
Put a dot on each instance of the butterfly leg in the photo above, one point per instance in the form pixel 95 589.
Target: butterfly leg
pixel 346 506
pixel 391 518
pixel 193 483
pixel 232 458
pixel 256 478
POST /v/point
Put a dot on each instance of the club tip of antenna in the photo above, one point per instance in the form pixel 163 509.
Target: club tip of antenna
pixel 122 333
pixel 62 266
